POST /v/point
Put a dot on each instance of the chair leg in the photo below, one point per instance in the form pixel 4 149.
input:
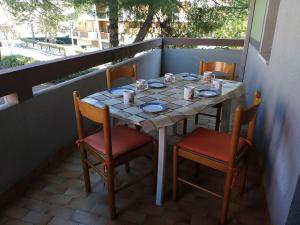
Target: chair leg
pixel 197 119
pixel 175 172
pixel 184 126
pixel 137 127
pixel 85 168
pixel 196 172
pixel 127 167
pixel 226 199
pixel 244 176
pixel 111 191
pixel 218 118
pixel 243 179
pixel 154 165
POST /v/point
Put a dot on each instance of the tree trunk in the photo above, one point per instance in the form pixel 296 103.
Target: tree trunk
pixel 113 23
pixel 32 31
pixel 97 26
pixel 146 25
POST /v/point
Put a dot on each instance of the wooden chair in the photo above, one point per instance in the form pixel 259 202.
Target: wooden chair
pixel 113 74
pixel 111 147
pixel 228 69
pixel 220 151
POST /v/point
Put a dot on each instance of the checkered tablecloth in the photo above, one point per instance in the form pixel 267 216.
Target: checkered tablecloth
pixel 172 95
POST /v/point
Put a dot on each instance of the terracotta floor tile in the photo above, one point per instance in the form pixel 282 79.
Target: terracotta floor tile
pixel 32 204
pixel 51 178
pixel 37 218
pixel 60 211
pixel 59 198
pixel 85 217
pixel 55 188
pixel 16 222
pixel 101 210
pixel 133 217
pixel 83 203
pixel 3 218
pixel 15 212
pixel 59 221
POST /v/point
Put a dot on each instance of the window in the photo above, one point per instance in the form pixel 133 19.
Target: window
pixel 263 26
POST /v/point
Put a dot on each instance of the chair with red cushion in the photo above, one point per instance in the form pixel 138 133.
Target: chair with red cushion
pixel 111 147
pixel 220 151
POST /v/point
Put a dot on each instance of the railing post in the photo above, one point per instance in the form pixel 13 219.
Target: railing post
pixel 24 94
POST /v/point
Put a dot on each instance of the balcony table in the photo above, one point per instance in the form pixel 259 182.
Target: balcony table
pixel 178 109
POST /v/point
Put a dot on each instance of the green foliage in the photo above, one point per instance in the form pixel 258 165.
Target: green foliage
pixel 139 8
pixel 15 60
pixel 211 18
pixel 46 14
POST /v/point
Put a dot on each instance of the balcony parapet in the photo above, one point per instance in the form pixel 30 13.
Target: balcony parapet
pixel 17 82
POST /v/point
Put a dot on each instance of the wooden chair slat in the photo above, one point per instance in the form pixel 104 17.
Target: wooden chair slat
pixel 227 68
pixel 113 74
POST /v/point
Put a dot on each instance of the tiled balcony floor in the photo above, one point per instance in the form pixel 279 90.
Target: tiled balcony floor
pixel 58 198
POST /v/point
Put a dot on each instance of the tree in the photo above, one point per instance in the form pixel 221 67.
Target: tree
pixel 146 10
pixel 46 14
pixel 113 15
pixel 142 10
pixel 189 18
pixel 113 28
pixel 209 16
pixel 23 12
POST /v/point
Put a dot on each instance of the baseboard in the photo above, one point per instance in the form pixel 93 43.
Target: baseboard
pixel 18 189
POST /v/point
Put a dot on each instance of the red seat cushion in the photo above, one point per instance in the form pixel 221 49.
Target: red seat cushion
pixel 124 139
pixel 210 143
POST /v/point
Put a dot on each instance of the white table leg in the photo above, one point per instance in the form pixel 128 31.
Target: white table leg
pixel 225 117
pixel 162 144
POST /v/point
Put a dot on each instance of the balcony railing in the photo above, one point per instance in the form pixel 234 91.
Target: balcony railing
pixel 20 80
pixel 80 34
pixel 104 35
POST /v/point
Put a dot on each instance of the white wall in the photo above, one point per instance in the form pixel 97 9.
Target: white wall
pixel 278 130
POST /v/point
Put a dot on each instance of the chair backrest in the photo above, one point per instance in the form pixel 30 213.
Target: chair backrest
pixel 120 71
pixel 242 117
pixel 97 115
pixel 227 68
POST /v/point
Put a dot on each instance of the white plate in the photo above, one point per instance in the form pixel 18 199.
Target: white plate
pixel 156 84
pixel 190 77
pixel 119 91
pixel 208 93
pixel 153 107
